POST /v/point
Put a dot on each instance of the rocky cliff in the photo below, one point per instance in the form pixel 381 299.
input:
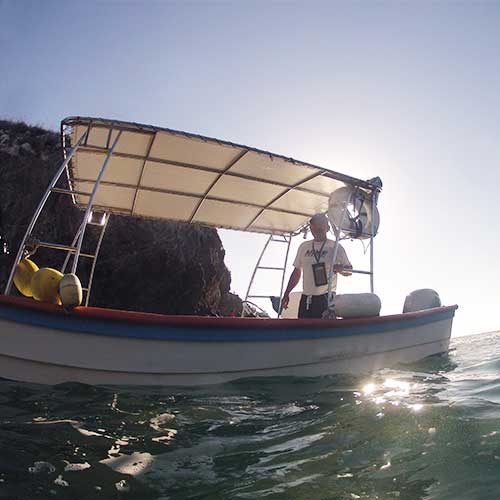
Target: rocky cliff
pixel 144 265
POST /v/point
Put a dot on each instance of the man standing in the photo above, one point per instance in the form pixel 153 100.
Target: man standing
pixel 314 258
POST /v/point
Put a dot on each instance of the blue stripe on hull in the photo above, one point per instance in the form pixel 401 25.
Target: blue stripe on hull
pixel 195 334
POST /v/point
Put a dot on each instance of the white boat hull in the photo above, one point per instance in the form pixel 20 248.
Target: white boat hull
pixel 46 354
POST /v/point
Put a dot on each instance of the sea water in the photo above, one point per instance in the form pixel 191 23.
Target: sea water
pixel 430 430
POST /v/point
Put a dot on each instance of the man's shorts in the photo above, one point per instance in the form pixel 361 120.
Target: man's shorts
pixel 319 303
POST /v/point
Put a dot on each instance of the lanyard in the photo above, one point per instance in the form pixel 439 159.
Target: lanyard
pixel 317 256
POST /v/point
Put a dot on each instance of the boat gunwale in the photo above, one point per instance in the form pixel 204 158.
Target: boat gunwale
pixel 211 322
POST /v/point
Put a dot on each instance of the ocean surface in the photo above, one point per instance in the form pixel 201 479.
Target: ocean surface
pixel 430 430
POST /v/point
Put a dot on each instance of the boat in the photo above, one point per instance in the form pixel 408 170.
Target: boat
pixel 116 168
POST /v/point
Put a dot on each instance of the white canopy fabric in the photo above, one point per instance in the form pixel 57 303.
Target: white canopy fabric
pixel 162 173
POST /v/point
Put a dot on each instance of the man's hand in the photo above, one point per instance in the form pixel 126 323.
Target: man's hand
pixel 344 271
pixel 292 282
pixel 284 301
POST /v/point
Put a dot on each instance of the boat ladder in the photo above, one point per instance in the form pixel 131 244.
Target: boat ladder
pixel 282 238
pixel 29 244
pixel 102 224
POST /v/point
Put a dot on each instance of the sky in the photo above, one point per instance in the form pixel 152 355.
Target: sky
pixel 404 90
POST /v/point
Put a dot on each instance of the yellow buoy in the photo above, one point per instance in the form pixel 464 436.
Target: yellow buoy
pixel 45 285
pixel 22 277
pixel 70 291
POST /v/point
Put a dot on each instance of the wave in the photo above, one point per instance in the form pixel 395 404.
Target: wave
pixel 426 430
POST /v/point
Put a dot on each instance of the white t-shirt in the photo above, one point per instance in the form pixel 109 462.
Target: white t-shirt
pixel 305 259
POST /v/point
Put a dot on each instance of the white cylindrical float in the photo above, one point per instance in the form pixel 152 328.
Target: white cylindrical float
pixel 357 305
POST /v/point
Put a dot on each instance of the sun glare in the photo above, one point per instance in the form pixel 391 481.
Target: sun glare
pixel 392 391
pixel 369 389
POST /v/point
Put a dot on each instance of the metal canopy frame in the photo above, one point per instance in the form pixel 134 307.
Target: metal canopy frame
pixel 75 249
pixel 318 194
pixel 149 129
pixel 272 239
pixel 206 194
pixel 38 211
pixel 119 127
pixel 337 231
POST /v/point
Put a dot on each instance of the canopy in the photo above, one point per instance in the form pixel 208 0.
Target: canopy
pixel 162 173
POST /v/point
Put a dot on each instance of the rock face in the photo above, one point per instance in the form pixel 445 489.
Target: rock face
pixel 144 265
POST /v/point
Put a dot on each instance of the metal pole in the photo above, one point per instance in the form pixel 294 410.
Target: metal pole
pixel 359 271
pixel 284 271
pixel 101 236
pixel 336 231
pixel 39 210
pixel 371 241
pixel 73 243
pixel 257 266
pixel 91 201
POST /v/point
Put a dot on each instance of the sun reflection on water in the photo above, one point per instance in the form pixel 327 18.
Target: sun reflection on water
pixel 391 391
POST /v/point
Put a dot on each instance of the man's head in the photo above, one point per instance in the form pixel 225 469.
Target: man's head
pixel 319 226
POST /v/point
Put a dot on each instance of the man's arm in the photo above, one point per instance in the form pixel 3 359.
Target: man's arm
pixel 292 283
pixel 343 264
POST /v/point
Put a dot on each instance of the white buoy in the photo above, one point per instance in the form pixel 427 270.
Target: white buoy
pixel 70 291
pixel 357 305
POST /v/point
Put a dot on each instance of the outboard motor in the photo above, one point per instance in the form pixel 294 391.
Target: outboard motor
pixel 419 300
